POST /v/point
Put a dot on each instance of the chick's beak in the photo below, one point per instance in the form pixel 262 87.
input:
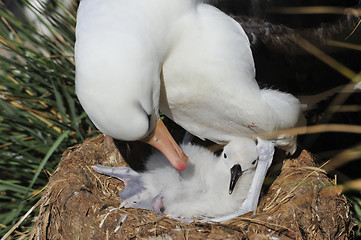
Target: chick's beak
pixel 161 139
pixel 236 172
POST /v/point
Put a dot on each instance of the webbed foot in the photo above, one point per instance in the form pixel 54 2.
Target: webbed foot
pixel 131 179
pixel 134 194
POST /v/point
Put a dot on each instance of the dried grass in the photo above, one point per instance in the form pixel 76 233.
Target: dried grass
pixel 301 203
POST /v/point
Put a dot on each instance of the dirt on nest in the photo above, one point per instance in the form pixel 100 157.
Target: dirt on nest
pixel 78 203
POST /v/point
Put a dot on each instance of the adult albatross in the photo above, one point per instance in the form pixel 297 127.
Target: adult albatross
pixel 119 52
pixel 188 59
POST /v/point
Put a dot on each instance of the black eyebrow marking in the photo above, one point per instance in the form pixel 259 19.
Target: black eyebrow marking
pixel 218 152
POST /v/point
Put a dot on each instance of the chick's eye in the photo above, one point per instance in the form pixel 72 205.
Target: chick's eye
pixel 224 155
pixel 254 162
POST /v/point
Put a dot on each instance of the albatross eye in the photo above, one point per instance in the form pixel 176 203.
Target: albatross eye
pixel 224 155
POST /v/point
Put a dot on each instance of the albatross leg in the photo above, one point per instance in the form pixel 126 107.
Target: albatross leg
pixel 266 151
pixel 265 156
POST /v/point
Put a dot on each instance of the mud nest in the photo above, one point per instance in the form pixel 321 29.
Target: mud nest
pixel 300 202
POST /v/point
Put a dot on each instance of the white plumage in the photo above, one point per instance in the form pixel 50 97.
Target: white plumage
pixel 125 49
pixel 210 86
pixel 202 190
pixel 120 48
pixel 184 57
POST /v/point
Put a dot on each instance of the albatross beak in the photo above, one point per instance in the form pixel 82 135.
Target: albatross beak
pixel 164 142
pixel 236 172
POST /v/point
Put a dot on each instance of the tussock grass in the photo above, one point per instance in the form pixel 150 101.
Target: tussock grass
pixel 39 113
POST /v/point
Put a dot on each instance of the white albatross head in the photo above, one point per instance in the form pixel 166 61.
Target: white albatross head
pixel 240 155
